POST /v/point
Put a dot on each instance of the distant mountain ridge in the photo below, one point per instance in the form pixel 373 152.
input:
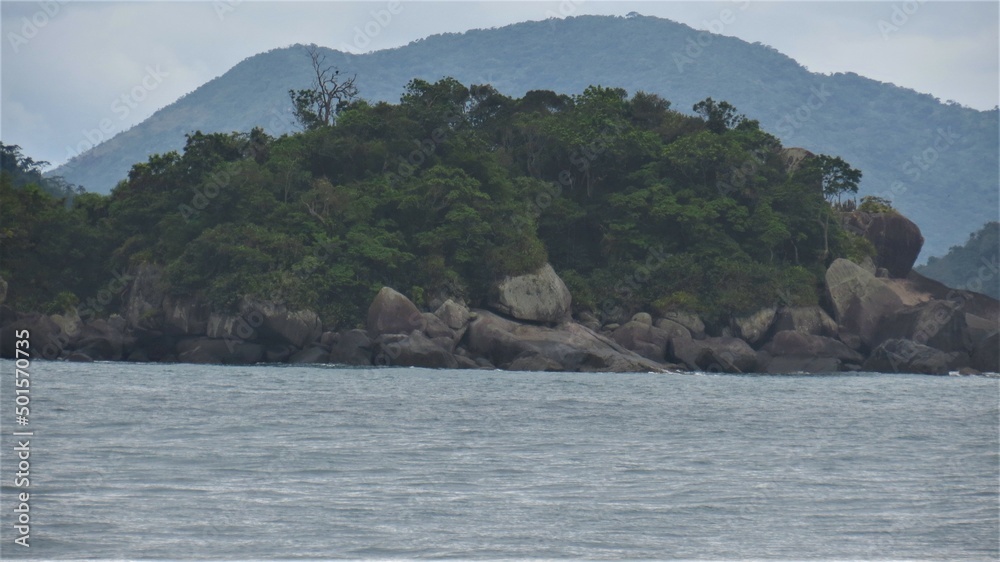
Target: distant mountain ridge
pixel 937 162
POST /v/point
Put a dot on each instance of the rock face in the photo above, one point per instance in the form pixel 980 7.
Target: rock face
pixel 807 320
pixel 860 301
pixel 392 313
pixel 937 324
pixel 646 340
pixel 798 344
pixel 353 347
pixel 103 340
pixel 185 316
pixel 723 354
pixel 754 327
pixel 986 356
pixel 896 238
pixel 144 304
pixel 215 351
pixel 690 321
pixel 905 356
pixel 278 324
pixel 413 350
pixel 572 346
pixel 47 338
pixel 537 297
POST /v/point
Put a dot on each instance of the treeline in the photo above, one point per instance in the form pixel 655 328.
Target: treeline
pixel 974 266
pixel 636 205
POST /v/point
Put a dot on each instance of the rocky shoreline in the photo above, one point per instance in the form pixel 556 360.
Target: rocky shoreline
pixel 871 322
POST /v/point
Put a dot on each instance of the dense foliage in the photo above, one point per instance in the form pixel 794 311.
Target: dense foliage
pixel 936 160
pixel 635 204
pixel 974 265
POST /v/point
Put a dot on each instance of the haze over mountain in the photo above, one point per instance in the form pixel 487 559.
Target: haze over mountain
pixel 937 162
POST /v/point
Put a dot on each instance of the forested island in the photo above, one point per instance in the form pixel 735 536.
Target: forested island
pixel 465 228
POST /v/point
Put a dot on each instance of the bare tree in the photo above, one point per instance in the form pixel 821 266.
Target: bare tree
pixel 330 92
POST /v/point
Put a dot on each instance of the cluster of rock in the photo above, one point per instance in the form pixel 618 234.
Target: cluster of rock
pixel 879 316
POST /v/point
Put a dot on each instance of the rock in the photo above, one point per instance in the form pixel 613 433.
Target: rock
pixel 103 340
pixel 805 319
pixel 572 346
pixel 46 338
pixel 466 363
pixel 156 347
pixel 143 307
pixel 905 356
pixel 690 321
pixel 789 343
pixel 353 347
pixel 611 327
pixel 434 327
pixel 276 323
pixel 986 356
pixel 77 357
pixel 647 340
pixel 643 318
pixel 897 239
pixel 232 326
pixel 185 316
pixel 279 353
pixel 714 354
pixel 533 362
pixel 137 356
pixel 793 158
pixel 310 355
pixel 414 350
pixel 801 364
pixel 537 297
pixel 392 313
pixel 218 351
pixel 588 319
pixel 3 290
pixel 753 327
pixel 938 324
pixel 70 324
pixel 453 314
pixel 979 328
pixel 860 301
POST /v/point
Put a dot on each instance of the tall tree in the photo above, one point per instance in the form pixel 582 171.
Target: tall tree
pixel 330 92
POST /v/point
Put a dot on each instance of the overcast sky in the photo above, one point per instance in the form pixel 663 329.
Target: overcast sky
pixel 65 66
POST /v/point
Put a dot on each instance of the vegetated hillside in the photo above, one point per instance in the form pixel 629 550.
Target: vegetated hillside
pixel 974 266
pixel 937 162
pixel 636 205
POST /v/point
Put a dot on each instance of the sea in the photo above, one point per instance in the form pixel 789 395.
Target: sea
pixel 171 461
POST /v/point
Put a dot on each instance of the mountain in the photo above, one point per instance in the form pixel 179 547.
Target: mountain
pixel 974 266
pixel 937 162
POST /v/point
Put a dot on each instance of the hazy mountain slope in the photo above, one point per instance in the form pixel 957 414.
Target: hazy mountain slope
pixel 974 266
pixel 950 189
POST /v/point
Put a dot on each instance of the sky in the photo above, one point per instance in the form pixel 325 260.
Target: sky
pixel 67 68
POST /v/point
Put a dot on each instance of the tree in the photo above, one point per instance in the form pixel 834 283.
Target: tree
pixel 720 116
pixel 837 176
pixel 318 106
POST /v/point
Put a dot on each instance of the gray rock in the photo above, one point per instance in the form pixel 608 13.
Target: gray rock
pixel 3 290
pixel 276 323
pixel 726 354
pixel 414 350
pixel 310 355
pixel 392 313
pixel 905 356
pixel 353 347
pixel 803 364
pixel 690 321
pixel 752 328
pixel 466 363
pixel 806 319
pixel 144 304
pixel 218 351
pixel 232 326
pixel 980 328
pixel 798 344
pixel 278 353
pixel 538 297
pixel 897 239
pixel 533 362
pixel 986 356
pixel 647 340
pixel 453 314
pixel 588 319
pixel 103 340
pixel 185 316
pixel 572 346
pixel 938 324
pixel 46 338
pixel 77 357
pixel 860 301
pixel 643 318
pixel 70 323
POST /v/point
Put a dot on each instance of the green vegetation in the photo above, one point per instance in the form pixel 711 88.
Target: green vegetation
pixel 636 205
pixel 973 266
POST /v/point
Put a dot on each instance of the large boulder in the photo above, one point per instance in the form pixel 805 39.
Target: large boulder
pixel 103 340
pixel 806 319
pixel 572 346
pixel 455 315
pixel 897 239
pixel 392 313
pixel 45 338
pixel 143 307
pixel 647 340
pixel 986 356
pixel 860 302
pixel 218 351
pixel 413 350
pixel 724 354
pixel 278 324
pixel 798 344
pixel 352 347
pixel 789 364
pixel 185 316
pixel 938 324
pixel 905 356
pixel 689 320
pixel 752 328
pixel 537 297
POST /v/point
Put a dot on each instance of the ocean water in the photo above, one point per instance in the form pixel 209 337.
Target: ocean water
pixel 208 462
